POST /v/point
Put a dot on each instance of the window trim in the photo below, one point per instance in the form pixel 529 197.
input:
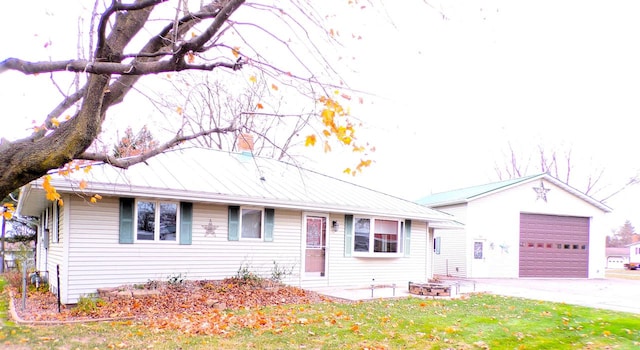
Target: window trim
pixel 371 253
pixel 262 223
pixel 156 223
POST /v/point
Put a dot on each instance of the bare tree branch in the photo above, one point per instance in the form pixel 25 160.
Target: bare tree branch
pixel 112 68
pixel 125 163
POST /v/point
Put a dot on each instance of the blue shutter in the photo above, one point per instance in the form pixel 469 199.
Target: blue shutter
pixel 126 220
pixel 234 223
pixel 269 218
pixel 348 235
pixel 186 222
pixel 407 237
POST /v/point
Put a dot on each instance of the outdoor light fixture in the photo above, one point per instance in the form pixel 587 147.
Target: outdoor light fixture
pixel 334 226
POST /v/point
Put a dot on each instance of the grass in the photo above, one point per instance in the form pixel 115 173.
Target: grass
pixel 478 322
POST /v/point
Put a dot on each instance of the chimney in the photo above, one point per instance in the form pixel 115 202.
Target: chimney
pixel 245 143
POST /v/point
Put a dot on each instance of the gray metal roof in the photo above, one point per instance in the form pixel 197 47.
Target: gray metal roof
pixel 205 175
pixel 468 194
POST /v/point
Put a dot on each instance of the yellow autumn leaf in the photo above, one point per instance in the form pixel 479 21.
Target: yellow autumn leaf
pixel 347 171
pixel 236 51
pixel 310 141
pixel 253 79
pixel 93 200
pixel 7 215
pixel 97 196
pixel 87 169
pixel 60 201
pixel 67 117
pixel 55 122
pixel 259 106
pixel 179 110
pixel 327 116
pixel 274 87
pixel 83 184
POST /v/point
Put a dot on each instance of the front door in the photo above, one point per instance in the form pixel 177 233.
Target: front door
pixel 316 239
pixel 479 262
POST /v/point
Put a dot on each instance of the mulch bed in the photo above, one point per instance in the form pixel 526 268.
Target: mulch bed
pixel 168 301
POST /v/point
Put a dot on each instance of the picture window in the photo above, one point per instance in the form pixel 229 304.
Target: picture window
pixel 156 221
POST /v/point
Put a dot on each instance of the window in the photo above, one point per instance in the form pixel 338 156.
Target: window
pixel 436 245
pixel 156 221
pixel 251 223
pixel 478 252
pixel 377 236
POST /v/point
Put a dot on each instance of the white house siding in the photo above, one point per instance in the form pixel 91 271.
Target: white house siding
pixel 361 271
pixel 495 220
pixel 41 258
pixel 55 255
pixel 96 259
pixel 452 260
pixel 634 252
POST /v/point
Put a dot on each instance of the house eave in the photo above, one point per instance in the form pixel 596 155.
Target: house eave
pixel 218 198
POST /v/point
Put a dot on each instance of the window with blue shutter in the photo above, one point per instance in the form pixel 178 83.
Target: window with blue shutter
pixel 234 223
pixel 407 237
pixel 269 221
pixel 186 222
pixel 348 235
pixel 126 220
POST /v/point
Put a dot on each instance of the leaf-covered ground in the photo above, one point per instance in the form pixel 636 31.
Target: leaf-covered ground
pixel 202 307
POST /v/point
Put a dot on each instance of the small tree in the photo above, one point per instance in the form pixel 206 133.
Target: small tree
pixel 625 235
pixel 134 145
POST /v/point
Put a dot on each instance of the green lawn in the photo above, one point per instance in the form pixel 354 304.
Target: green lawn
pixel 477 322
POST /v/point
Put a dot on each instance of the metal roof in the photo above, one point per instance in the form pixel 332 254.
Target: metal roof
pixel 205 175
pixel 468 194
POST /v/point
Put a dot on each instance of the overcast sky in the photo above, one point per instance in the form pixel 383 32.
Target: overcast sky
pixel 453 83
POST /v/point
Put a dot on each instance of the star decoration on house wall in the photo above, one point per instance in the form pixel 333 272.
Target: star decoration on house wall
pixel 541 191
pixel 210 229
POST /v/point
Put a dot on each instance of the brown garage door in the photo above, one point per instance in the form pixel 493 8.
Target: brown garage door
pixel 554 246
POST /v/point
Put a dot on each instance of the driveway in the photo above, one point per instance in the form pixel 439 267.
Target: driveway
pixel 611 294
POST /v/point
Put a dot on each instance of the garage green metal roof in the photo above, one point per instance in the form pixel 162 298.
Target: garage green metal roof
pixel 467 194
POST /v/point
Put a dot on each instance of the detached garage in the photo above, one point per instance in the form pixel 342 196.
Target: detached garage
pixel 533 226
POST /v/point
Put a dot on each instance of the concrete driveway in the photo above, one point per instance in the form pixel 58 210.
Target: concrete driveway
pixel 611 294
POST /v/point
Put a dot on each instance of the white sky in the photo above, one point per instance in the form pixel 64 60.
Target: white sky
pixel 450 93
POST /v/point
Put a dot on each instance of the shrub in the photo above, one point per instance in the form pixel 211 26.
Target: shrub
pixel 279 272
pixel 87 305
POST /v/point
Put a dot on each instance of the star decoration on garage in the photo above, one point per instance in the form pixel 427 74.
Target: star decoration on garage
pixel 541 192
